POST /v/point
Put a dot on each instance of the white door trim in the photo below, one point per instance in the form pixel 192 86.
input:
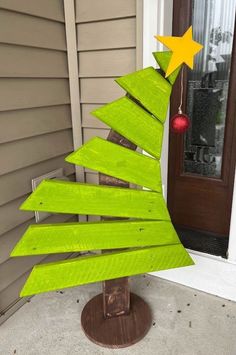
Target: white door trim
pixel 211 274
pixel 71 42
pixel 232 233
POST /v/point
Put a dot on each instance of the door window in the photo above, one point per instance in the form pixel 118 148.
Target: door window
pixel 207 87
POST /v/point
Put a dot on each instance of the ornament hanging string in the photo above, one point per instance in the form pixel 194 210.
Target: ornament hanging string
pixel 181 91
pixel 180 122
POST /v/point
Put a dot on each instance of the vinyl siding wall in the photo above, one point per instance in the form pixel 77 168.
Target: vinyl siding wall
pixel 106 43
pixel 35 113
pixel 35 124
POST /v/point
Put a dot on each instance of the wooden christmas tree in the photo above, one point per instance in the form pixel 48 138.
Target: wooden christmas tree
pixel 145 240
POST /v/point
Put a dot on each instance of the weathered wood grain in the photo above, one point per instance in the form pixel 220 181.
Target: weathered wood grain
pixel 134 123
pixel 116 292
pixel 72 237
pixel 119 331
pixel 77 198
pixel 150 89
pixel 88 269
pixel 114 160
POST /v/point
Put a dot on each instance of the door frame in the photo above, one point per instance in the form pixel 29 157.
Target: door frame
pixel 211 274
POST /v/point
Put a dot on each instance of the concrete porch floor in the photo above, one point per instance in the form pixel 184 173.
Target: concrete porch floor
pixel 185 322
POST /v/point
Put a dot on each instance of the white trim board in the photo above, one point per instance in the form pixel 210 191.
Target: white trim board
pixel 155 22
pixel 70 28
pixel 71 42
pixel 210 274
pixel 232 233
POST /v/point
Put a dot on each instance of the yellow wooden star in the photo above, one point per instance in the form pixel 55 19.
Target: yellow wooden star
pixel 184 49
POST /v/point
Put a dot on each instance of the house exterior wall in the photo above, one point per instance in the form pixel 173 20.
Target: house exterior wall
pixel 35 106
pixel 35 124
pixel 106 44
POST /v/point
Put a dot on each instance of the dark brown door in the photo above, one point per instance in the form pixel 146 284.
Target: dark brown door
pixel 202 162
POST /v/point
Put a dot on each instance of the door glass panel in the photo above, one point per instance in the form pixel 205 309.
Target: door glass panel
pixel 207 86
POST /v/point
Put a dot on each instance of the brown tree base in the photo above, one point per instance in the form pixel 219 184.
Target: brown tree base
pixel 116 332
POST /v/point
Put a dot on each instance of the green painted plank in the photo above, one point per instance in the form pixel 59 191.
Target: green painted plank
pixel 134 123
pixel 77 198
pixel 72 237
pixel 163 59
pixel 150 89
pixel 88 269
pixel 120 162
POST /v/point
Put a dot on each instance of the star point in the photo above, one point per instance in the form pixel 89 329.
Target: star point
pixel 184 49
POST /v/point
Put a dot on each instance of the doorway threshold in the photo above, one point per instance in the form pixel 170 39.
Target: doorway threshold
pixel 211 274
pixel 204 242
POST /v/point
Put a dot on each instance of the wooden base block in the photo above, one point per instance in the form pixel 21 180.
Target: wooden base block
pixel 116 332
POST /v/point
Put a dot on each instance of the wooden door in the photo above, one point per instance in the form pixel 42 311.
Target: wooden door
pixel 202 162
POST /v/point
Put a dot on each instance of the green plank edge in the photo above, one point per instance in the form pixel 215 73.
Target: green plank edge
pixel 150 89
pixel 73 237
pixel 134 123
pixel 89 269
pixel 163 59
pixel 78 198
pixel 120 162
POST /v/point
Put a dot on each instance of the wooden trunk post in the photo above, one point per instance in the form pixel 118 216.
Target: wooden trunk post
pixel 116 318
pixel 116 293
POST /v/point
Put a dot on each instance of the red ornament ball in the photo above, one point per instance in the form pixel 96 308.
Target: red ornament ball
pixel 179 123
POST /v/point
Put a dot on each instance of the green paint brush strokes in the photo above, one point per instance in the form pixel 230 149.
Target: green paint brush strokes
pixel 73 237
pixel 120 162
pixel 134 123
pixel 157 246
pixel 163 59
pixel 150 89
pixel 76 198
pixel 88 269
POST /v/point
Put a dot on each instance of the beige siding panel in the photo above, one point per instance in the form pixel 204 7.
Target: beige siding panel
pixel 92 178
pixel 92 10
pixel 71 177
pixel 20 124
pixel 51 9
pixel 106 34
pixel 94 218
pixel 32 62
pixel 16 28
pixel 11 216
pixel 18 183
pixel 9 239
pixel 89 133
pixel 99 90
pixel 115 62
pixel 13 307
pixel 35 125
pixel 10 295
pixel 88 120
pixel 28 93
pixel 22 153
pixel 15 267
